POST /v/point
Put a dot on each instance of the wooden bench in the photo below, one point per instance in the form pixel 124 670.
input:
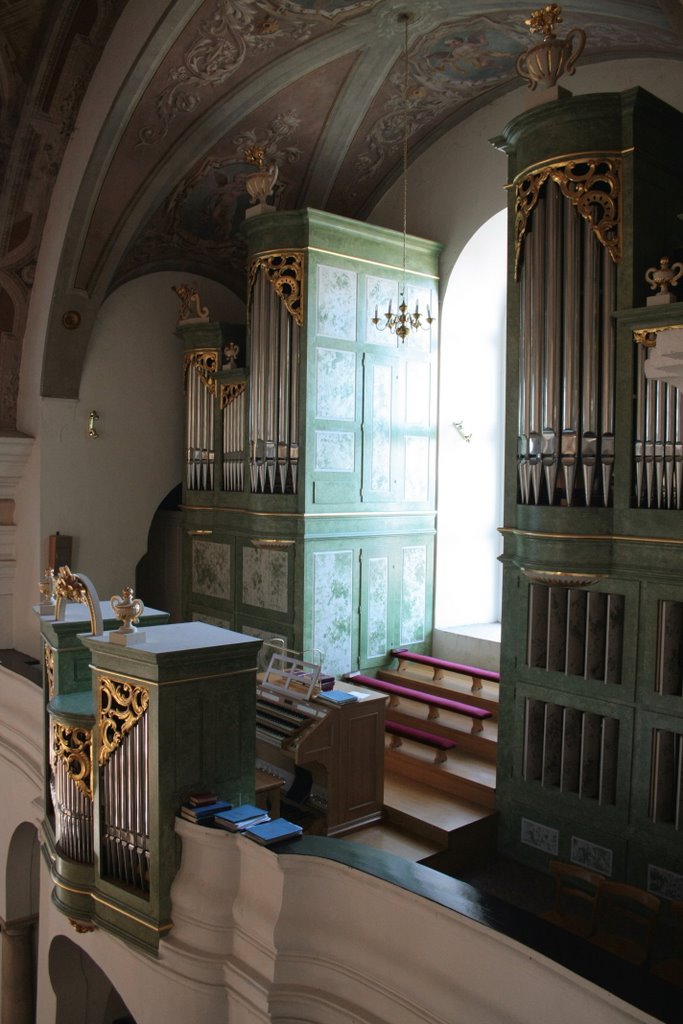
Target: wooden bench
pixel 399 732
pixel 439 667
pixel 434 703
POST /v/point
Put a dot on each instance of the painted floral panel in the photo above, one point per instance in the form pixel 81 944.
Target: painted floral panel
pixel 335 384
pixel 333 609
pixel 413 594
pixel 541 837
pixel 211 570
pixel 380 462
pixel 418 376
pixel 265 577
pixel 589 855
pixel 377 607
pixel 664 883
pixel 417 469
pixel 337 303
pixel 379 292
pixel 335 451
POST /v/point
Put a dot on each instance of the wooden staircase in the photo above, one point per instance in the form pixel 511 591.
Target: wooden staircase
pixel 441 815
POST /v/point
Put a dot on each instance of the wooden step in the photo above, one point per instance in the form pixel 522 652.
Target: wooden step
pixel 451 686
pixel 461 775
pixel 482 744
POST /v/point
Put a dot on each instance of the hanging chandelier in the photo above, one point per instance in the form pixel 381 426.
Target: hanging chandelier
pixel 402 322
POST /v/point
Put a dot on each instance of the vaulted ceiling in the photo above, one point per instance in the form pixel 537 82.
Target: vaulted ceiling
pixel 318 84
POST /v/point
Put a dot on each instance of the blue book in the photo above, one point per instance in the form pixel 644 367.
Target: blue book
pixel 240 817
pixel 337 697
pixel 204 813
pixel 273 831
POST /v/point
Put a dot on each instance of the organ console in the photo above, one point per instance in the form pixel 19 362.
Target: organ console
pixel 332 756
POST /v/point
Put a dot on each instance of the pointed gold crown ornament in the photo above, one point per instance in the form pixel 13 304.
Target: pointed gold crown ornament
pixel 665 277
pixel 546 62
pixel 128 609
pixel 261 184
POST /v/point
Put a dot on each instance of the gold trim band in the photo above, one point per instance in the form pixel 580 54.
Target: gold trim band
pixel 355 259
pixel 627 538
pixel 305 515
pixel 112 906
pixel 188 679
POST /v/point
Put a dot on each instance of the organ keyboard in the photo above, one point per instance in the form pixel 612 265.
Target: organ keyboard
pixel 335 754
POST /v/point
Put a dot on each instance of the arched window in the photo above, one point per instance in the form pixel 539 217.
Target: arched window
pixel 471 429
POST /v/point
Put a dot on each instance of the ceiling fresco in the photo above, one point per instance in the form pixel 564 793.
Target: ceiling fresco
pixel 252 60
pixel 318 84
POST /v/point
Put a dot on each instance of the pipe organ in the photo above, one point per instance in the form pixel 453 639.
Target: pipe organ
pixel 567 241
pixel 276 316
pixel 168 714
pixel 591 720
pixel 326 436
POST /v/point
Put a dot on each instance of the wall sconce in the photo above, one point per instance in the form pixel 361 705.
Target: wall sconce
pixel 92 418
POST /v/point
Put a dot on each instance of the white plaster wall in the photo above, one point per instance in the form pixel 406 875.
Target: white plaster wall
pixel 104 491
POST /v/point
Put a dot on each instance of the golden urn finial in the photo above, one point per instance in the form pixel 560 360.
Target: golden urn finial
pixel 546 62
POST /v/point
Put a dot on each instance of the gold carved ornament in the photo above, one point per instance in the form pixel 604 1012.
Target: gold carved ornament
pixel 285 271
pixel 69 587
pixel 230 392
pixel 592 184
pixel 205 362
pixel 122 705
pixel 49 663
pixel 73 745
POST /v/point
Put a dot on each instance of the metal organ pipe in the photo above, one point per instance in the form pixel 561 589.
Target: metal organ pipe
pixel 571 323
pixel 607 375
pixel 552 338
pixel 273 391
pixel 590 361
pixel 125 810
pixel 536 349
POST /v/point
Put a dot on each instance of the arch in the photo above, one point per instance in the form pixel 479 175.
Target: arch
pixel 83 990
pixel 22 877
pixel 470 472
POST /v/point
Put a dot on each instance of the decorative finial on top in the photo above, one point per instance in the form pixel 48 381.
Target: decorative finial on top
pixel 191 310
pixel 260 184
pixel 128 609
pixel 665 277
pixel 46 588
pixel 546 62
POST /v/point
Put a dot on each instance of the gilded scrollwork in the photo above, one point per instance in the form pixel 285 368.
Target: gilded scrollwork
pixel 205 363
pixel 73 745
pixel 49 665
pixel 122 705
pixel 231 391
pixel 593 186
pixel 70 587
pixel 285 271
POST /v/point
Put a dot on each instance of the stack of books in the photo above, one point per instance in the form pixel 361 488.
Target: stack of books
pixel 276 831
pixel 202 808
pixel 237 819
